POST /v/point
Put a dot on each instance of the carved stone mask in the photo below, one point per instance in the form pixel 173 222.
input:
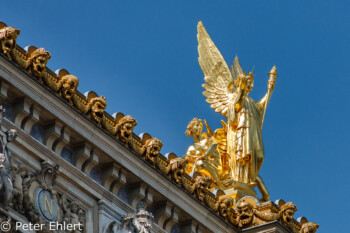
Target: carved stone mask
pixel 125 126
pixel 127 129
pixel 288 215
pixel 288 211
pixel 178 167
pixel 154 149
pixel 39 64
pixel 142 224
pixel 11 135
pixel 74 207
pixel 154 145
pixel 8 36
pixel 224 206
pixel 143 221
pixel 69 86
pixel 205 182
pixel 97 110
pixel 309 227
pixel 7 45
pixel 244 213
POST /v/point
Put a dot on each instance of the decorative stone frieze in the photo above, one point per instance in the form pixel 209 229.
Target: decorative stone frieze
pixel 36 197
pixel 72 213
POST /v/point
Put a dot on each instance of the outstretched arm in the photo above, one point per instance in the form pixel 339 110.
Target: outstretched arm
pixel 265 100
pixel 270 87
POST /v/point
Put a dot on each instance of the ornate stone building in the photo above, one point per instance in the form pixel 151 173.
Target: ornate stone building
pixel 69 166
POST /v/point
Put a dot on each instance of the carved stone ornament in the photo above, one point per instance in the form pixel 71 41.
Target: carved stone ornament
pixel 177 169
pixel 287 212
pixel 309 227
pixel 34 194
pixel 21 178
pixel 72 213
pixel 201 186
pixel 98 105
pixel 152 149
pixel 38 59
pixel 244 214
pixel 124 129
pixel 36 197
pixel 47 176
pixel 139 222
pixel 93 106
pixel 68 85
pixel 42 194
pixel 8 36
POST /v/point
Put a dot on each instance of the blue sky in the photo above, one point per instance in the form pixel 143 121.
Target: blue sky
pixel 142 55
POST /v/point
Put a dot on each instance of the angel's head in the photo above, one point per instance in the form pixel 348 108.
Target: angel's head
pixel 195 127
pixel 241 77
pixel 249 82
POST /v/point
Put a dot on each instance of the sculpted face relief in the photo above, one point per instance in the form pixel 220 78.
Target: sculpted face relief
pixel 8 36
pixel 38 59
pixel 69 85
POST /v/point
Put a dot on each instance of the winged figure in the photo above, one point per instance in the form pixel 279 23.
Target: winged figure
pixel 204 154
pixel 226 90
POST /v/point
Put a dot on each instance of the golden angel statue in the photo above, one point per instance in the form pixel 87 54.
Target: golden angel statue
pixel 226 90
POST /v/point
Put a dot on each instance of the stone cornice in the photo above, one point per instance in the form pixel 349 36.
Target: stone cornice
pixel 125 156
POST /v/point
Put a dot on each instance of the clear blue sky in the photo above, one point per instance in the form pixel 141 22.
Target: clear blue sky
pixel 142 55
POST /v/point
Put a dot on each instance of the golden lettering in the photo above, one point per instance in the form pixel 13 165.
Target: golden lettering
pixel 48 204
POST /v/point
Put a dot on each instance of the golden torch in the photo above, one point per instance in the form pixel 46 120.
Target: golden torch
pixel 270 86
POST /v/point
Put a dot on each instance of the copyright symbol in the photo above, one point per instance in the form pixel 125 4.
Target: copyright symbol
pixel 5 226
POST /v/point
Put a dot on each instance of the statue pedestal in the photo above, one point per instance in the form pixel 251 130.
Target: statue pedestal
pixel 238 190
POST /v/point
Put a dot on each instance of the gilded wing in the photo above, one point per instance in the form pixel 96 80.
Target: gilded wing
pixel 236 69
pixel 210 132
pixel 218 78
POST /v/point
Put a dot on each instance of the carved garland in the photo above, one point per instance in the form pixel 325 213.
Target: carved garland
pixel 65 85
